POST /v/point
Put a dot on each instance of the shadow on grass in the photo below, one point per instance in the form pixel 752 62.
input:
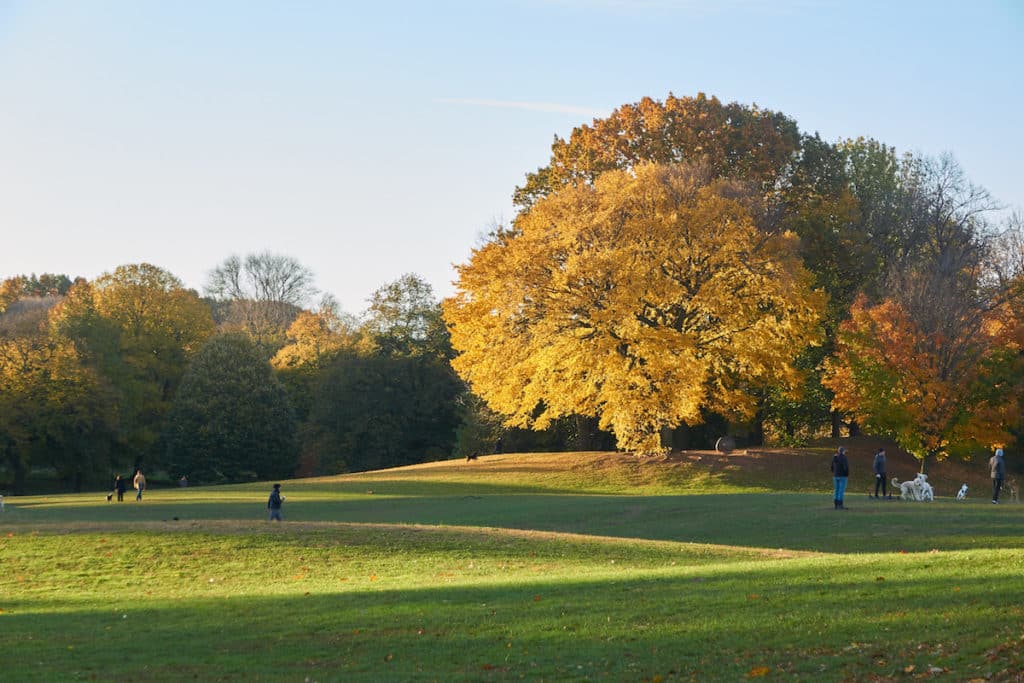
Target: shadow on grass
pixel 791 521
pixel 819 619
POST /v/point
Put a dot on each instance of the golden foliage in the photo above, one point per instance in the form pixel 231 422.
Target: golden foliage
pixel 640 299
pixel 312 341
pixel 898 380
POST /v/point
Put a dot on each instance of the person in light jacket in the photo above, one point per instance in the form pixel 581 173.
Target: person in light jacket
pixel 139 482
pixel 998 470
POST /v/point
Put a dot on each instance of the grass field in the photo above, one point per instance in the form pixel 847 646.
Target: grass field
pixel 553 567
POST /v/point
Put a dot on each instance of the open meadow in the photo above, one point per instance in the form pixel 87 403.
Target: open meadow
pixel 538 567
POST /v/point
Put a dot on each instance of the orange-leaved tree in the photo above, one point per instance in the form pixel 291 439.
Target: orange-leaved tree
pixel 933 392
pixel 640 299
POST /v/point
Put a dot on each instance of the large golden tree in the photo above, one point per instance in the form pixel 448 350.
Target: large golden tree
pixel 640 299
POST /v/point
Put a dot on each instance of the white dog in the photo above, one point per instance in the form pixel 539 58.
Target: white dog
pixel 962 493
pixel 917 488
pixel 907 489
pixel 924 489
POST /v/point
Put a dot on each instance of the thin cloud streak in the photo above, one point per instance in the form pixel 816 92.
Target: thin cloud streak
pixel 546 107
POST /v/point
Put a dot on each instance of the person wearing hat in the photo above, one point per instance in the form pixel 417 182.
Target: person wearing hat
pixel 998 469
pixel 840 475
pixel 274 503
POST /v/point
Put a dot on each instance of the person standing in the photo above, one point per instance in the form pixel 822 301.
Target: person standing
pixel 998 470
pixel 840 475
pixel 880 476
pixel 139 482
pixel 274 503
pixel 119 487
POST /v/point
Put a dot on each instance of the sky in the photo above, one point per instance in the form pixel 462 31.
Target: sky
pixel 372 139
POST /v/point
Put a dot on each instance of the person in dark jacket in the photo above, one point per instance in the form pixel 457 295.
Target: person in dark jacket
pixel 274 503
pixel 998 469
pixel 879 469
pixel 840 475
pixel 119 487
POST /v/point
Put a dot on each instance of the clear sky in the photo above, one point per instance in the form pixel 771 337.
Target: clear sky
pixel 377 138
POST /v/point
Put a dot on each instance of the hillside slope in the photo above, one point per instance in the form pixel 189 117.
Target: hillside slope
pixel 762 469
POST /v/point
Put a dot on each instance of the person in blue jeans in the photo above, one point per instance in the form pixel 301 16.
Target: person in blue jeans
pixel 840 474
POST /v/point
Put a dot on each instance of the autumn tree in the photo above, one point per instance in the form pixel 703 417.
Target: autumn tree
pixel 54 411
pixel 231 419
pixel 641 299
pixel 729 140
pixel 137 328
pixel 931 361
pixel 933 395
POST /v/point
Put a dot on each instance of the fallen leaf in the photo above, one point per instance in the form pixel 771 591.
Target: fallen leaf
pixel 759 672
pixel 908 669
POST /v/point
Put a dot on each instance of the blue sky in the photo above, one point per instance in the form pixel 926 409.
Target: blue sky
pixel 373 139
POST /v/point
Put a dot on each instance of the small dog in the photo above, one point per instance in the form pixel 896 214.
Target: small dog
pixel 962 493
pixel 1014 490
pixel 472 456
pixel 110 497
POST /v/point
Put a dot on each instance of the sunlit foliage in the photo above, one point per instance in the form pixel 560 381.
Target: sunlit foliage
pixel 640 299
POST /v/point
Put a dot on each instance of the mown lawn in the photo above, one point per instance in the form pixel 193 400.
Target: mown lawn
pixel 454 572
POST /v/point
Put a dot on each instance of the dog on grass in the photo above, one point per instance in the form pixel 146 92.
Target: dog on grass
pixel 917 488
pixel 906 488
pixel 1014 490
pixel 962 493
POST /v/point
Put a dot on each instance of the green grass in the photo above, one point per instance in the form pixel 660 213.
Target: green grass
pixel 535 568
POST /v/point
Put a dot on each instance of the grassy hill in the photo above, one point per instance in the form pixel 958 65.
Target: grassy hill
pixel 542 567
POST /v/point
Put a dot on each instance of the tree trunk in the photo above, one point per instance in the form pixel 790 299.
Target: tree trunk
pixel 837 425
pixel 756 436
pixel 681 437
pixel 20 473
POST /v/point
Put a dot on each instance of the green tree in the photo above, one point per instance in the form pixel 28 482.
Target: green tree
pixel 404 318
pixel 374 411
pixel 231 419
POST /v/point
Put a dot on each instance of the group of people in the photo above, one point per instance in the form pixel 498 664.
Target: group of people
pixel 138 483
pixel 274 503
pixel 841 474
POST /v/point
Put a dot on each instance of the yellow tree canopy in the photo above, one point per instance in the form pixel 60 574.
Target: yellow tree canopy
pixel 639 299
pixel 311 342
